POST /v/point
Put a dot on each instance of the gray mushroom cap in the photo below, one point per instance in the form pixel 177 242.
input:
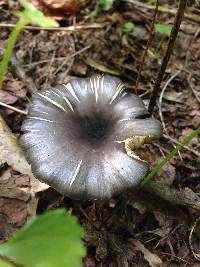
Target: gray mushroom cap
pixel 80 137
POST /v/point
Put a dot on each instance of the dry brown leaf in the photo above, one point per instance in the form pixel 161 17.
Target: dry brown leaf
pixel 151 258
pixel 12 154
pixel 7 98
pixel 3 2
pixel 100 66
pixel 173 96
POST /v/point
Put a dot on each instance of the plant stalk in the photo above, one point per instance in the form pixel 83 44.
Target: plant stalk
pixel 186 140
pixel 171 41
pixel 11 43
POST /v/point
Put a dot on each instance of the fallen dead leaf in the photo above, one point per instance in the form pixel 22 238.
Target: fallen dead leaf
pixel 12 90
pixel 173 96
pixel 167 174
pixel 18 201
pixel 100 67
pixel 12 154
pixel 151 258
pixel 7 98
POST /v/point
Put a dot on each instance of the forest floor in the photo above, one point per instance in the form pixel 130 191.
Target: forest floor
pixel 146 230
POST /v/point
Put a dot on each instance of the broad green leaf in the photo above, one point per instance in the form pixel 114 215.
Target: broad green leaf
pixel 163 29
pixel 49 240
pixel 35 16
pixel 128 27
pixel 105 5
pixel 5 264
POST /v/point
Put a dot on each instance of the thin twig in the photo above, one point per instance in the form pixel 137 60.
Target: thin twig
pixel 70 28
pixel 160 105
pixel 161 97
pixel 167 10
pixel 21 74
pixel 193 91
pixel 172 38
pixel 196 153
pixel 196 256
pixel 166 135
pixel 87 217
pixel 13 108
pixel 176 257
pixel 65 59
pixel 147 46
pixel 49 72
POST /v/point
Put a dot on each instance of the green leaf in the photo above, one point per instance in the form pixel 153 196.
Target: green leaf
pixel 35 16
pixel 163 9
pixel 105 5
pixel 163 29
pixel 198 3
pixel 128 27
pixel 5 264
pixel 50 240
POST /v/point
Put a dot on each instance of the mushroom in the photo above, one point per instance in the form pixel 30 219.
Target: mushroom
pixel 80 137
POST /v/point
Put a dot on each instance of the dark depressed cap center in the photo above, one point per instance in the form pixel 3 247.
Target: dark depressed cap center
pixel 80 137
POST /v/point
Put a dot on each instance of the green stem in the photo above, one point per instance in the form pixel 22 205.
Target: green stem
pixel 160 44
pixel 11 42
pixel 186 140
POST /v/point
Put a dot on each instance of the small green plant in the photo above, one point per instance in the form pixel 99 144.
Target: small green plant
pixel 128 27
pixel 49 240
pixel 30 15
pixel 178 148
pixel 101 6
pixel 164 30
pixel 105 5
pixel 198 3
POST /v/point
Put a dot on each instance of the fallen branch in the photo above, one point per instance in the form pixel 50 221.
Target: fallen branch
pixel 179 197
pixel 67 29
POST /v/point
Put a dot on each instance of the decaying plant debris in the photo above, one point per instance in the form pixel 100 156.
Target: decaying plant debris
pixel 143 229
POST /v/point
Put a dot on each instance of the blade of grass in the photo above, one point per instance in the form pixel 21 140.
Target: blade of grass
pixel 11 43
pixel 186 140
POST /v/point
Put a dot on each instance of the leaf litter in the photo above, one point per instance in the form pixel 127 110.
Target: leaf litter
pixel 136 229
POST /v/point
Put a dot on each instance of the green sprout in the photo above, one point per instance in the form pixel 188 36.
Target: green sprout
pixel 106 5
pixel 30 15
pixel 128 27
pixel 163 29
